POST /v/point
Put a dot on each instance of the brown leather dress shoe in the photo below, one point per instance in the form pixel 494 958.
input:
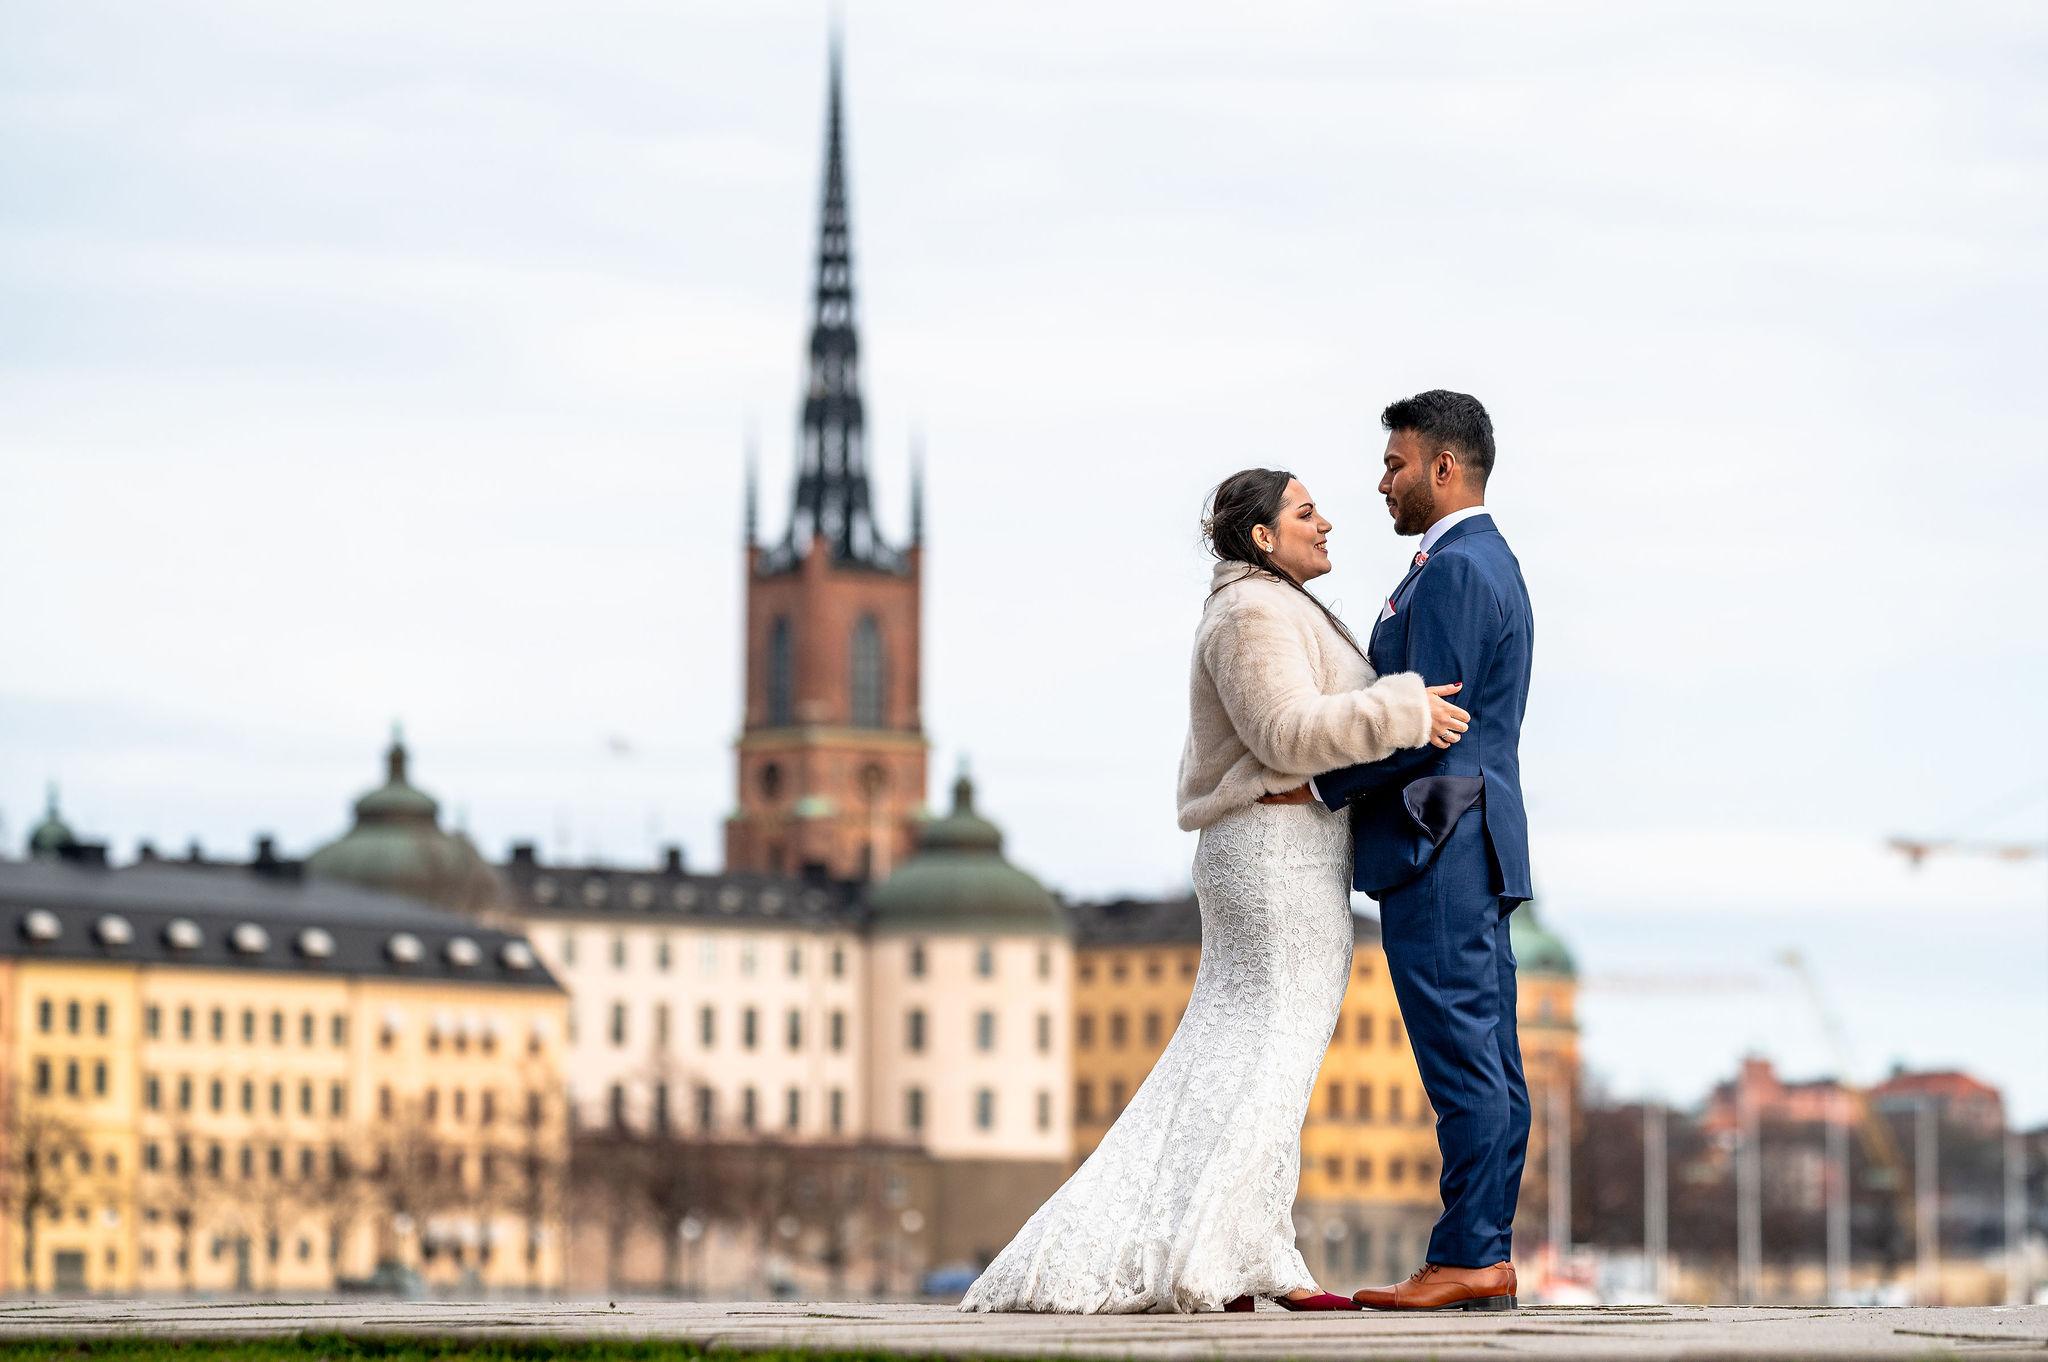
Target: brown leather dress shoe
pixel 1436 1287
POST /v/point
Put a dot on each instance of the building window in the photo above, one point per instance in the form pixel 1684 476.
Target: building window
pixel 796 1029
pixel 1044 1032
pixel 276 1027
pixel 1393 1030
pixel 152 1021
pixel 1086 971
pixel 99 1078
pixel 707 1107
pixel 707 1026
pixel 917 959
pixel 984 1108
pixel 184 1092
pixel 985 960
pixel 217 1095
pixel 796 961
pixel 248 1094
pixel 1333 1169
pixel 1084 1030
pixel 1361 1171
pixel 838 1030
pixel 781 672
pixel 306 1028
pixel 913 1108
pixel 618 950
pixel 1364 1028
pixel 870 680
pixel 750 1022
pixel 1044 962
pixel 1396 1169
pixel 618 1023
pixel 792 1115
pixel 661 1122
pixel 1118 1033
pixel 835 1108
pixel 1151 1028
pixel 99 1019
pixel 1336 1102
pixel 1116 1097
pixel 838 961
pixel 1394 1095
pixel 748 1113
pixel 184 1023
pixel 913 1031
pixel 306 1099
pixel 568 948
pixel 985 1030
pixel 747 959
pixel 1084 1101
pixel 152 1092
pixel 1364 1112
pixel 71 1015
pixel 1153 967
pixel 71 1077
pixel 1044 1109
pixel 43 1077
pixel 337 1099
pixel 662 956
pixel 618 1106
pixel 661 1026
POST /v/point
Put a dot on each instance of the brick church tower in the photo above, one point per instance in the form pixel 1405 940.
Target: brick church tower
pixel 831 754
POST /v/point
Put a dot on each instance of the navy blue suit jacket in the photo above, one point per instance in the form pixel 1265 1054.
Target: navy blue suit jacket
pixel 1462 616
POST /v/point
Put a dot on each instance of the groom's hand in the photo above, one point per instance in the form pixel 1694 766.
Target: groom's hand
pixel 1298 795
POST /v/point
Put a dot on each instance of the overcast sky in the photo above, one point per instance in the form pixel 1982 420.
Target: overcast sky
pixel 381 361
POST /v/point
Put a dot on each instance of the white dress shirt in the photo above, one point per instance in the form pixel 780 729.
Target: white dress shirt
pixel 1430 538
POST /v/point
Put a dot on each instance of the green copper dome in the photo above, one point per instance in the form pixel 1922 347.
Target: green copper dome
pixel 959 881
pixel 49 838
pixel 1537 951
pixel 397 844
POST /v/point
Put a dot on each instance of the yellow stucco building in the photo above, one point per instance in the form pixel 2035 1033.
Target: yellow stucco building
pixel 225 1077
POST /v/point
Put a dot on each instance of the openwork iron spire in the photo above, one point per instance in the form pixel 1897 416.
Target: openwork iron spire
pixel 832 500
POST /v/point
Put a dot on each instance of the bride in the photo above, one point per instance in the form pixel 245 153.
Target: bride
pixel 1187 1203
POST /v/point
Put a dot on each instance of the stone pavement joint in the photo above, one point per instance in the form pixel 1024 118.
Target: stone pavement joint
pixel 1694 1333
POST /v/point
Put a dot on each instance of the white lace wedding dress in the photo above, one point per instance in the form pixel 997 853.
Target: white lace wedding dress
pixel 1187 1202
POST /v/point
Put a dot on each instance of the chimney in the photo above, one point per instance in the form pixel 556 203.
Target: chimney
pixel 672 859
pixel 524 857
pixel 145 851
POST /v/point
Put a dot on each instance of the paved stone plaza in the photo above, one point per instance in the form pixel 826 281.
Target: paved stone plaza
pixel 1691 1332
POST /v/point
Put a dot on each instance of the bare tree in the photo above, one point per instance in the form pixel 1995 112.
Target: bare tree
pixel 40 1148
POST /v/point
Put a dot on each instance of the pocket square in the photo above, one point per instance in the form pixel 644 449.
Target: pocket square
pixel 1386 611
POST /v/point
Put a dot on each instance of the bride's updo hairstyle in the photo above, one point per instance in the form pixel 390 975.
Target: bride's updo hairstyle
pixel 1240 502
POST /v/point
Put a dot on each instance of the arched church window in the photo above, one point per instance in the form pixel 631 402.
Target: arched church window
pixel 781 672
pixel 771 781
pixel 869 684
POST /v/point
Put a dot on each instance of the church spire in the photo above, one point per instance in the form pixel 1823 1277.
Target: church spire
pixel 832 497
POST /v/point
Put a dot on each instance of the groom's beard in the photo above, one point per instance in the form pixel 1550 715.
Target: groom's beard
pixel 1413 512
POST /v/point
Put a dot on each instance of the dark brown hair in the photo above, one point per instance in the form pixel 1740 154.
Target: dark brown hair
pixel 1240 502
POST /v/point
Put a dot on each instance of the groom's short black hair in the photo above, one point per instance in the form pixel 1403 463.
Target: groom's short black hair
pixel 1449 420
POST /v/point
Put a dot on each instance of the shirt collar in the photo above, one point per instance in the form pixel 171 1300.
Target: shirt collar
pixel 1437 531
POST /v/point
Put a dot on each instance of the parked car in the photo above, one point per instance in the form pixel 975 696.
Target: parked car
pixel 951 1281
pixel 389 1278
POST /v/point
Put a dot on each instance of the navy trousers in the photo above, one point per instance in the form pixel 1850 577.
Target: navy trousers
pixel 1446 938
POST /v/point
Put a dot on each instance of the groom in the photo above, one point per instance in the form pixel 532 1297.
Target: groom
pixel 1441 841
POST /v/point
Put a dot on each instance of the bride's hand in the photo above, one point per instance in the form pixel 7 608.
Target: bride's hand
pixel 1447 723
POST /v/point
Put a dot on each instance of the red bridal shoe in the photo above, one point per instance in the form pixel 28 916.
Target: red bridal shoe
pixel 1322 1300
pixel 1241 1306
